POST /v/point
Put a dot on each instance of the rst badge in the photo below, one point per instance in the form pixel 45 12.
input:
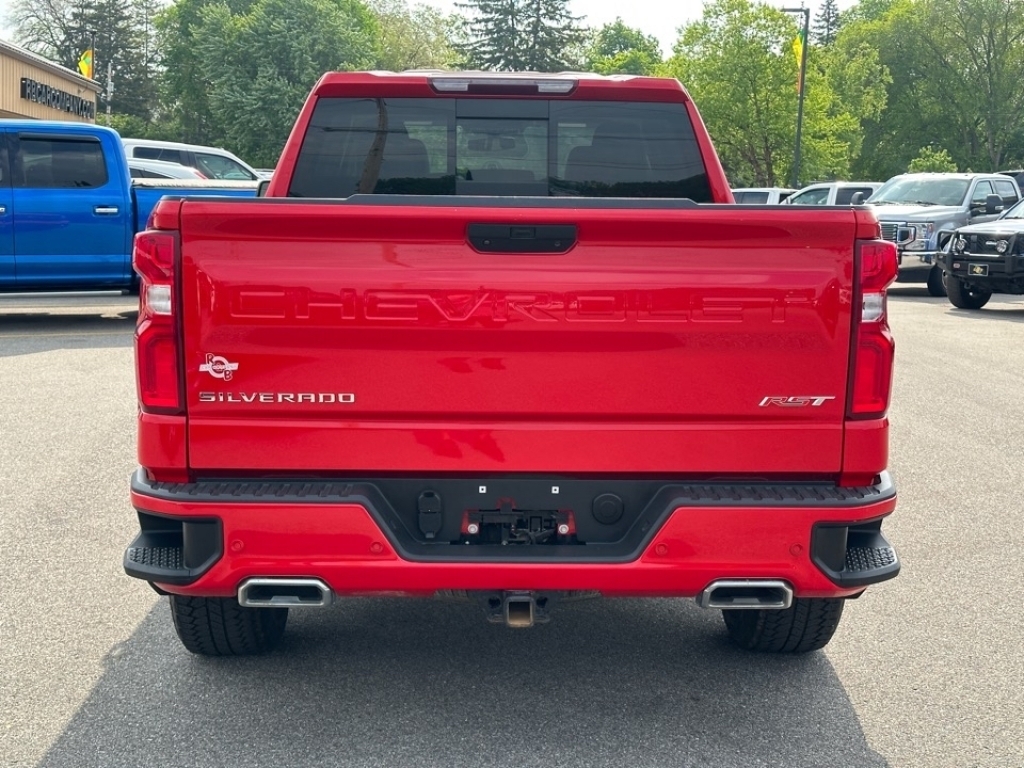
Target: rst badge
pixel 797 401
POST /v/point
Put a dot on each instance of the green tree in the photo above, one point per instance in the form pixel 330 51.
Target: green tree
pixel 184 84
pixel 413 38
pixel 618 49
pixel 932 160
pixel 261 65
pixel 738 63
pixel 826 24
pixel 520 35
pixel 956 72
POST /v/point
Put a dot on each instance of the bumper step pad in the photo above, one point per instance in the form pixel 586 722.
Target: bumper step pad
pixel 171 551
pixel 854 556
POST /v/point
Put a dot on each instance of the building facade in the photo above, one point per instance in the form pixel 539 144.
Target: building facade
pixel 34 87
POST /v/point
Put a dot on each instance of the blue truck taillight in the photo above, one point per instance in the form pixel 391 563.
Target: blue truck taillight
pixel 157 333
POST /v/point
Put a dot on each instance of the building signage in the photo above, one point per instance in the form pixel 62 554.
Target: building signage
pixel 55 98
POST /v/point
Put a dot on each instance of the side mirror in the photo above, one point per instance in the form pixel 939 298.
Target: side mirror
pixel 993 204
pixel 261 188
pixel 857 198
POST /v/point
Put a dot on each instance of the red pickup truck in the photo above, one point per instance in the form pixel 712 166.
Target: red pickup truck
pixel 508 338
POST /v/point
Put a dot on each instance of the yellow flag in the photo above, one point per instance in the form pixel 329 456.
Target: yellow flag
pixel 85 63
pixel 798 51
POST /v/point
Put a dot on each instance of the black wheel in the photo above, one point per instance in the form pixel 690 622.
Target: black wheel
pixel 963 297
pixel 807 625
pixel 935 284
pixel 219 626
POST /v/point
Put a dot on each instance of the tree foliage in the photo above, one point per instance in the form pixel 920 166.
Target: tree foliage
pixel 957 80
pixel 414 37
pixel 260 65
pixel 826 24
pixel 738 63
pixel 618 49
pixel 931 160
pixel 520 35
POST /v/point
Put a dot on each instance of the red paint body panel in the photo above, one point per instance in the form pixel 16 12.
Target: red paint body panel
pixel 342 545
pixel 162 442
pixel 668 328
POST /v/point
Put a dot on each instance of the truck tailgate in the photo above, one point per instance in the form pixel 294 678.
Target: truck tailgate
pixel 335 337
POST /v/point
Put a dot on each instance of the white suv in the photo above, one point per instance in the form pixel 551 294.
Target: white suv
pixel 834 193
pixel 212 162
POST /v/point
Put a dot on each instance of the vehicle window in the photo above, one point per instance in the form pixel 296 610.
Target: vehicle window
pixel 1006 191
pixel 59 164
pixel 5 176
pixel 159 153
pixel 499 147
pixel 844 195
pixel 784 196
pixel 220 167
pixel 811 197
pixel 981 193
pixel 751 198
pixel 921 191
pixel 136 173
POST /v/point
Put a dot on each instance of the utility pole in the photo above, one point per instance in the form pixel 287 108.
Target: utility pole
pixel 110 87
pixel 800 94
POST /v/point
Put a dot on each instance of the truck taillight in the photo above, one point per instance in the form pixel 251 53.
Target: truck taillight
pixel 157 347
pixel 873 347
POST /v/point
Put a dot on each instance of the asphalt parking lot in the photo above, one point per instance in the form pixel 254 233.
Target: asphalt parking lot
pixel 926 670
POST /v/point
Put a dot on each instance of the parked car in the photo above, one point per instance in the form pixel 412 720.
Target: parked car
pixel 69 209
pixel 982 259
pixel 920 211
pixel 213 162
pixel 761 195
pixel 265 173
pixel 632 389
pixel 159 169
pixel 834 193
pixel 1017 175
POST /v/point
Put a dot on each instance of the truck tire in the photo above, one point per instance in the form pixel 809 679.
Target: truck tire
pixel 962 297
pixel 935 285
pixel 807 625
pixel 219 626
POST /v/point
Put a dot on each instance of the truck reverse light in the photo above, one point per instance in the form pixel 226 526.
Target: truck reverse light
pixel 158 299
pixel 157 344
pixel 873 347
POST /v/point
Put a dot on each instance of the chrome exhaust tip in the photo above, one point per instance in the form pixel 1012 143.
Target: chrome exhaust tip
pixel 747 594
pixel 284 593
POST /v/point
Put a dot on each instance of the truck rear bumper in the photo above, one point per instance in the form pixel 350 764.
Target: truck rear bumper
pixel 205 539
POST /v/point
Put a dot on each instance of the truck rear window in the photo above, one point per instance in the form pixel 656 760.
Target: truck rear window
pixel 499 147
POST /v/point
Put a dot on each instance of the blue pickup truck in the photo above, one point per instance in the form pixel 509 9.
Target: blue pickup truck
pixel 69 210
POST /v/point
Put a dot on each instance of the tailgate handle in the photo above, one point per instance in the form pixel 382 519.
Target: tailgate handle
pixel 522 238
